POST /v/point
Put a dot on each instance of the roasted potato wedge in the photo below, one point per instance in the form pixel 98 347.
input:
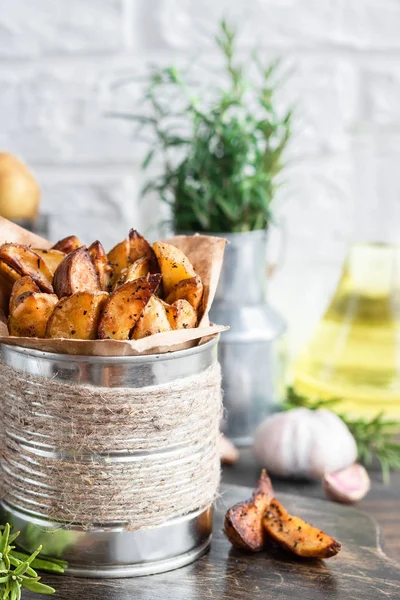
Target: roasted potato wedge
pixel 100 262
pixel 139 247
pixel 127 252
pixel 20 287
pixel 174 265
pixel 25 261
pixel 152 320
pixel 68 244
pixel 244 522
pixel 7 275
pixel 77 316
pixel 76 273
pixel 30 316
pixel 188 289
pixel 118 259
pixel 181 314
pixel 124 307
pixel 140 268
pixel 51 257
pixel 295 535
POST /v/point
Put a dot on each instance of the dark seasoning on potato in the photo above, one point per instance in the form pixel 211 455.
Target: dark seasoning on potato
pixel 256 524
pixel 73 292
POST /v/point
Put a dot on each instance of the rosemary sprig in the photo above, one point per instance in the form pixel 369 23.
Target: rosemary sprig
pixel 375 437
pixel 222 148
pixel 17 569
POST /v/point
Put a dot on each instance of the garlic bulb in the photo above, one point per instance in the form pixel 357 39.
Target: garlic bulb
pixel 304 443
pixel 349 485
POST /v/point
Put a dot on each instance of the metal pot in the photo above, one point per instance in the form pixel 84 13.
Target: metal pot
pixel 251 353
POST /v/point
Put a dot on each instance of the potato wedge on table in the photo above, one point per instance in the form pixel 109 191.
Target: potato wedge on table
pixel 76 273
pixel 181 314
pixel 30 317
pixel 140 268
pixel 25 261
pixel 68 244
pixel 77 316
pixel 100 262
pixel 51 257
pixel 188 289
pixel 20 287
pixel 124 307
pixel 244 522
pixel 295 535
pixel 174 265
pixel 152 320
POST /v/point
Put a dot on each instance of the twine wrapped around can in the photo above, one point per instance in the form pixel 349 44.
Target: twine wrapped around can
pixel 85 455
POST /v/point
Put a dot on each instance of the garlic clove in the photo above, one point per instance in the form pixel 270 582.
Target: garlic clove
pixel 347 486
pixel 228 453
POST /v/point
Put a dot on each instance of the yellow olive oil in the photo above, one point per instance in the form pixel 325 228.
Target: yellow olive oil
pixel 355 351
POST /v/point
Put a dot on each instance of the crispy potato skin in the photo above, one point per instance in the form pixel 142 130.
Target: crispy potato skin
pixel 244 521
pixel 174 265
pixel 51 257
pixel 118 258
pixel 76 273
pixel 124 307
pixel 30 317
pixel 100 262
pixel 140 268
pixel 295 535
pixel 181 315
pixel 22 285
pixel 7 274
pixel 128 252
pixel 139 247
pixel 68 244
pixel 152 320
pixel 25 261
pixel 77 316
pixel 188 289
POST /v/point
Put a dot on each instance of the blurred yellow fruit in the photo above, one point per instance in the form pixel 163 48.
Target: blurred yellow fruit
pixel 19 190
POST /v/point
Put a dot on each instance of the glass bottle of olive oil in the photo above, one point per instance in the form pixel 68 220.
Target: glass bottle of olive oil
pixel 354 353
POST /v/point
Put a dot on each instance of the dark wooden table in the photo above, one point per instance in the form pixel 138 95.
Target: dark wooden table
pixel 382 502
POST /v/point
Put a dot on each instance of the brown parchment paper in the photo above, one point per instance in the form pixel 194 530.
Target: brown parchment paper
pixel 204 252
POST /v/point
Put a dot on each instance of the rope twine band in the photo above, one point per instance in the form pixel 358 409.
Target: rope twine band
pixel 87 455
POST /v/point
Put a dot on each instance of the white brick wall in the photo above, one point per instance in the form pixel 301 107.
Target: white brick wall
pixel 59 62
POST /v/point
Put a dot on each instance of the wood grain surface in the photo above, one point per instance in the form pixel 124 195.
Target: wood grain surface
pixel 359 572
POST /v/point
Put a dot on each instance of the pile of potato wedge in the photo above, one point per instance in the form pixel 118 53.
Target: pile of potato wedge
pixel 261 521
pixel 76 292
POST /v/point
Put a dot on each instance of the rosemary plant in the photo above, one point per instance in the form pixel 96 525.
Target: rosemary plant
pixel 220 158
pixel 375 437
pixel 17 569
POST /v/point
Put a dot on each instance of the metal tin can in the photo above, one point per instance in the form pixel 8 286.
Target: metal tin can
pixel 111 551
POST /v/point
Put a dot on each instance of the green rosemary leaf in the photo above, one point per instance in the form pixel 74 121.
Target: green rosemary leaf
pixel 4 539
pixel 148 158
pixel 52 565
pixel 37 586
pixel 13 537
